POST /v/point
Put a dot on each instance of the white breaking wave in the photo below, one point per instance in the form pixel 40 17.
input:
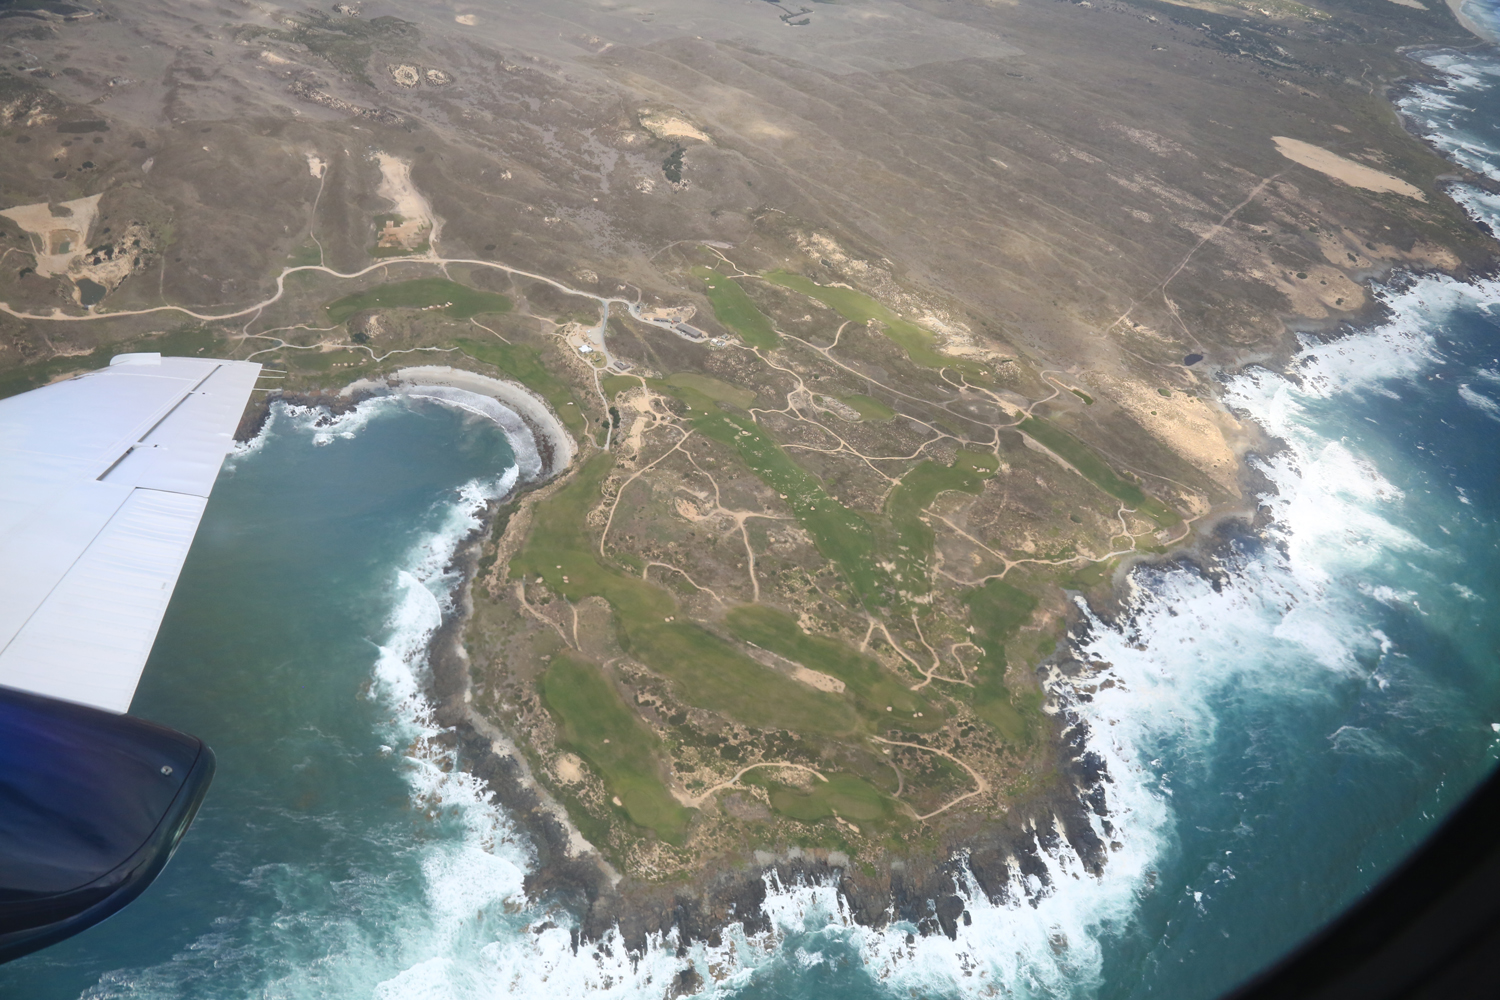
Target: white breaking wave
pixel 1469 76
pixel 244 449
pixel 1479 401
pixel 327 427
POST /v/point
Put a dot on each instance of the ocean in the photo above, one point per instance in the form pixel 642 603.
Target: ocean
pixel 1285 724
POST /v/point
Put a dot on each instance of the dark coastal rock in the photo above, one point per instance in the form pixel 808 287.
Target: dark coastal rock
pixel 258 411
pixel 950 909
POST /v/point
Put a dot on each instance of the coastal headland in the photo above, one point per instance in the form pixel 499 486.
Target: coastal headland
pixel 841 358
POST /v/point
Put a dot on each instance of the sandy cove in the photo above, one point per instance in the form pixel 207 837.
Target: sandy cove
pixel 543 430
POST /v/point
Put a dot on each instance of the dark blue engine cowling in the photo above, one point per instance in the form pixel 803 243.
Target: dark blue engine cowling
pixel 92 805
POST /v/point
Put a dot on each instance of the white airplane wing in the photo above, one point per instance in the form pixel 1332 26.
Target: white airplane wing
pixel 103 479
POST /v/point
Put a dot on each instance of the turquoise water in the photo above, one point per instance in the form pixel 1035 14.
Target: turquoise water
pixel 312 835
pixel 1277 737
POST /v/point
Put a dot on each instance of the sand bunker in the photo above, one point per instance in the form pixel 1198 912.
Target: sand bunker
pixel 1346 171
pixel 59 234
pixel 569 769
pixel 818 679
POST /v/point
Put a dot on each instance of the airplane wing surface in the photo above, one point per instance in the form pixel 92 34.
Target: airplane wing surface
pixel 103 479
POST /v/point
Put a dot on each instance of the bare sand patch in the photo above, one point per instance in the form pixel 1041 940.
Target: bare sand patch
pixel 1189 426
pixel 665 125
pixel 1343 170
pixel 569 769
pixel 1413 4
pixel 414 223
pixel 59 236
pixel 818 679
pixel 838 408
pixel 467 20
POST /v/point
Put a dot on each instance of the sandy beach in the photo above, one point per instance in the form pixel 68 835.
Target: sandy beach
pixel 1470 24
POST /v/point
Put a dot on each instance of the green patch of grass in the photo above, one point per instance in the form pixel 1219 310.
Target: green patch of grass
pixel 455 300
pixel 524 364
pixel 306 255
pixel 997 611
pixel 705 670
pixel 1016 716
pixel 872 686
pixel 869 407
pixel 323 361
pixel 380 253
pixel 181 342
pixel 1088 576
pixel 719 392
pixel 1087 399
pixel 596 723
pixel 844 795
pixel 913 540
pixel 733 308
pixel 1096 470
pixel 920 345
pixel 613 385
pixel 840 535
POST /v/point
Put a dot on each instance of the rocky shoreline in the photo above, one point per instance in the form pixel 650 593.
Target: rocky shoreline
pixel 926 892
pixel 998 854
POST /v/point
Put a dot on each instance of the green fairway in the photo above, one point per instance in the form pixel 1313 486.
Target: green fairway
pixel 873 687
pixel 843 795
pixel 920 345
pixel 869 407
pixel 997 611
pixel 596 722
pixel 706 671
pixel 613 385
pixel 733 308
pixel 1096 470
pixel 306 255
pixel 913 539
pixel 455 300
pixel 524 364
pixel 840 535
pixel 718 391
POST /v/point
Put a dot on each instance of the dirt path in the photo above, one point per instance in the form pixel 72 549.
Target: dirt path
pixel 696 801
pixel 981 788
